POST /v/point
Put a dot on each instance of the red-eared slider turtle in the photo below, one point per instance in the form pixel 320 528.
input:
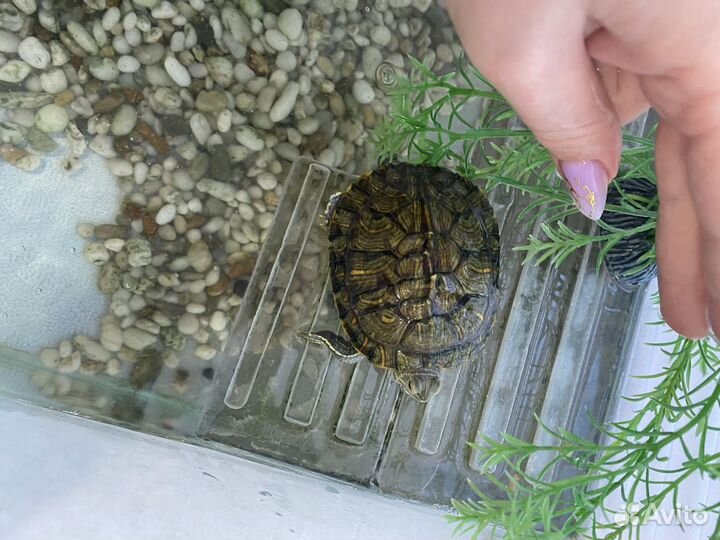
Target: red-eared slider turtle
pixel 414 263
pixel 628 260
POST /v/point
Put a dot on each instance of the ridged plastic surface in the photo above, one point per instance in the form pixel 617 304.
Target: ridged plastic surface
pixel 556 351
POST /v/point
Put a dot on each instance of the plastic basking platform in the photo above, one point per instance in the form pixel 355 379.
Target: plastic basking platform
pixel 556 352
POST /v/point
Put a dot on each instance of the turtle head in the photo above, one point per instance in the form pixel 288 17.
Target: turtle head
pixel 421 385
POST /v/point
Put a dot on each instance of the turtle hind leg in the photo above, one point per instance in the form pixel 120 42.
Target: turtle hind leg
pixel 341 347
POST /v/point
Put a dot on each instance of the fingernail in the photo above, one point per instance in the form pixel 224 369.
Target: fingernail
pixel 710 332
pixel 588 183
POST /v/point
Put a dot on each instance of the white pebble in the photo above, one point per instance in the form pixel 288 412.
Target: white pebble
pixel 177 72
pixel 49 357
pixel 103 145
pixel 267 181
pixel 65 349
pixel 104 69
pixel 286 61
pixel 372 57
pixel 237 24
pixel 129 21
pixel 245 102
pixel 242 72
pixel 99 33
pixel 124 120
pixel 198 70
pixel 255 193
pixel 197 286
pixel 128 64
pixel 363 92
pixel 82 37
pixel 249 138
pixel 177 42
pixel 51 118
pixel 212 277
pixel 308 126
pixel 137 303
pixel 165 10
pixel 287 151
pixel 200 127
pixel 34 52
pixel 140 172
pixel 14 71
pixel 70 365
pixel 290 23
pixel 245 211
pixel 113 367
pixel 277 40
pixel 149 54
pixel 146 3
pixel 252 8
pixel 327 157
pixel 195 309
pixel 96 253
pixel 195 205
pixel 28 7
pixel 182 180
pixel 205 352
pixel 166 214
pixel 279 79
pixel 221 70
pixel 179 264
pixel 92 349
pixel 224 121
pixel 53 81
pixel 218 321
pixel 170 359
pixel 148 326
pixel 216 26
pixel 285 103
pixel 85 230
pixel 219 190
pixel 161 319
pixel 9 42
pixel 121 45
pixel 114 244
pixel 120 167
pixel 380 35
pixel 110 18
pixel 137 339
pixel 111 337
pixel 199 256
pixel 188 324
pixel 265 219
pixel 265 99
pixel 201 336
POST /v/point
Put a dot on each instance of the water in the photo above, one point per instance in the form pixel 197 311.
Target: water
pixel 265 391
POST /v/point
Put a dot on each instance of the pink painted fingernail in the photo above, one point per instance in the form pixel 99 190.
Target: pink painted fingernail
pixel 588 183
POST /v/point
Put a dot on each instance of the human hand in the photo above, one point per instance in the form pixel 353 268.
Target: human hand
pixel 576 71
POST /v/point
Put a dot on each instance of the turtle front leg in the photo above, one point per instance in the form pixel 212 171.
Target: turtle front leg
pixel 340 346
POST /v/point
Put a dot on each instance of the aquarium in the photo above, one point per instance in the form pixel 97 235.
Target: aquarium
pixel 164 168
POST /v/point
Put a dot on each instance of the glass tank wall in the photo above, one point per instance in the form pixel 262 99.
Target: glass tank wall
pixel 163 168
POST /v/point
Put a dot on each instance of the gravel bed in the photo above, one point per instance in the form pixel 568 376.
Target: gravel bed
pixel 199 108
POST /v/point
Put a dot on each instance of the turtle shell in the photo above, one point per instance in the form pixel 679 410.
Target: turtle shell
pixel 414 260
pixel 624 260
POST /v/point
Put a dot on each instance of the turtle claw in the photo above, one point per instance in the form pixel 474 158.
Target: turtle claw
pixel 341 347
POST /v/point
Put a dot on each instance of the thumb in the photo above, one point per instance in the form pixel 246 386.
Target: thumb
pixel 538 61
